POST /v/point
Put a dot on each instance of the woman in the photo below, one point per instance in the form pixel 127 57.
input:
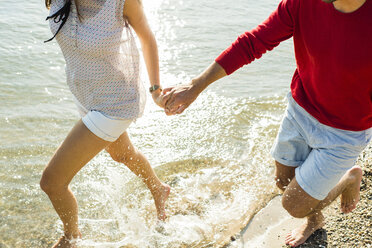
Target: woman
pixel 102 69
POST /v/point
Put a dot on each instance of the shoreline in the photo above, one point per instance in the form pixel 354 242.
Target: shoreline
pixel 269 226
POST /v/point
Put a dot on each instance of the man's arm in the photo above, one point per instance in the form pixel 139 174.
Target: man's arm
pixel 251 45
pixel 248 47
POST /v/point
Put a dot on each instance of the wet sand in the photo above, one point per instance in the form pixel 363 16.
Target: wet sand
pixel 269 226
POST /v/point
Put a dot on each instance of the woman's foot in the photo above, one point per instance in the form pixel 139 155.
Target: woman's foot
pixel 299 235
pixel 65 242
pixel 160 195
pixel 351 195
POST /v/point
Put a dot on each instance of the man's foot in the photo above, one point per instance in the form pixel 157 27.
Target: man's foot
pixel 160 197
pixel 351 195
pixel 299 235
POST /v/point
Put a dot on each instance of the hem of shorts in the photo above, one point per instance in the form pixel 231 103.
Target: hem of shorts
pixel 307 188
pixel 95 130
pixel 328 124
pixel 289 163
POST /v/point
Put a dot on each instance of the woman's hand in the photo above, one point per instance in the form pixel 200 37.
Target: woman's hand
pixel 181 96
pixel 178 98
pixel 160 98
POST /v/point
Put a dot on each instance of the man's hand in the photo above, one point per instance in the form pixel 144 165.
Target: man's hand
pixel 178 98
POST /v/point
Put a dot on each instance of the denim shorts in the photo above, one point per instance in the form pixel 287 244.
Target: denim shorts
pixel 105 127
pixel 320 153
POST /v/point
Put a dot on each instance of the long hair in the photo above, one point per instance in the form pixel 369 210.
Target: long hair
pixel 47 4
pixel 61 15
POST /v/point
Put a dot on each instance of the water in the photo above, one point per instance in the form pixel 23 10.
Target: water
pixel 215 155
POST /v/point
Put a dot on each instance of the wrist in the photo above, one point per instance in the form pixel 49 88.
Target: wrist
pixel 155 88
pixel 210 75
pixel 156 94
pixel 198 85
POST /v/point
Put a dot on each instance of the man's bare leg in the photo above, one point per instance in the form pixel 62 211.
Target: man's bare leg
pixel 299 204
pixel 283 175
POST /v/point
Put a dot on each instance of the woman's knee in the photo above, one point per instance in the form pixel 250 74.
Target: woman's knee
pixel 50 184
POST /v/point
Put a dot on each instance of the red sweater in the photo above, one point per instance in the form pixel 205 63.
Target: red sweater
pixel 333 79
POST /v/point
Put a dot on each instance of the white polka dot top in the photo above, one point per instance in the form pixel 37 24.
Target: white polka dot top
pixel 102 60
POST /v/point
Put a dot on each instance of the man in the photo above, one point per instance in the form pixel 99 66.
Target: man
pixel 329 116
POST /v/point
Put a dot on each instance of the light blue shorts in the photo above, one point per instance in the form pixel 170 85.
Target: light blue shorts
pixel 105 127
pixel 320 153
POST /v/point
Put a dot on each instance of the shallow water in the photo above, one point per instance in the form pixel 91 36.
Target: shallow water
pixel 215 155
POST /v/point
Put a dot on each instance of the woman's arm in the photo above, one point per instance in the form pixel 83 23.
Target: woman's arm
pixel 135 15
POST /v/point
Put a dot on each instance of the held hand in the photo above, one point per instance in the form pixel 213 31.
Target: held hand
pixel 179 98
pixel 160 98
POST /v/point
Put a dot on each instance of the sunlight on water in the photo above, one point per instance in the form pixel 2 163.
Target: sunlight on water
pixel 215 156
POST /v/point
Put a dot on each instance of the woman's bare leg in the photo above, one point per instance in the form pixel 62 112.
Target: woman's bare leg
pixel 79 147
pixel 123 151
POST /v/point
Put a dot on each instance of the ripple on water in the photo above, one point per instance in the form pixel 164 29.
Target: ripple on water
pixel 218 169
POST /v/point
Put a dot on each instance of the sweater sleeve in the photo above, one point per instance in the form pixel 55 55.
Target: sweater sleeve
pixel 251 45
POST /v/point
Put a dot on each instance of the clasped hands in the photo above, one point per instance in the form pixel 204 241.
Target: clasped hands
pixel 176 99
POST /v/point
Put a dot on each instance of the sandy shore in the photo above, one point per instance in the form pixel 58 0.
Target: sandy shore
pixel 354 229
pixel 269 226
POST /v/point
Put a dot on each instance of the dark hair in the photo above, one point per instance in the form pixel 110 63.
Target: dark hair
pixel 61 15
pixel 47 4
